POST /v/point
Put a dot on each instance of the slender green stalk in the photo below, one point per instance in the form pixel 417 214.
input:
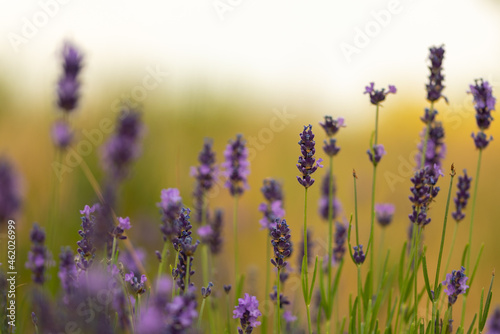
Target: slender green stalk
pixel 355 177
pixel 305 271
pixel 473 210
pixel 330 243
pixel 360 297
pixel 372 212
pixel 228 321
pixel 381 259
pixel 113 252
pixel 188 272
pixel 415 261
pixel 278 302
pixel 235 240
pixel 201 312
pixel 162 261
pixel 443 234
pixel 453 239
pixel 268 278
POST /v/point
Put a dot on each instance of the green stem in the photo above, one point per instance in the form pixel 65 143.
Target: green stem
pixel 360 297
pixel 268 278
pixel 162 261
pixel 473 210
pixel 188 271
pixel 278 301
pixel 175 266
pixel 415 266
pixel 235 239
pixel 228 322
pixel 453 239
pixel 372 220
pixel 113 252
pixel 305 281
pixel 309 323
pixel 201 312
pixel 356 207
pixel 330 242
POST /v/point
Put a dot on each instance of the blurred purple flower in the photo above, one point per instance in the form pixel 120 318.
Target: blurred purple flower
pixel 236 166
pixel 462 196
pixel 67 272
pixel 376 153
pixel 62 135
pixel 332 126
pixel 481 140
pixel 494 322
pixel 10 193
pixel 384 213
pixel 435 85
pixel 38 255
pixel 273 209
pixel 205 175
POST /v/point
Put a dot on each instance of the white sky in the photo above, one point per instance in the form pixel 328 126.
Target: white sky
pixel 272 46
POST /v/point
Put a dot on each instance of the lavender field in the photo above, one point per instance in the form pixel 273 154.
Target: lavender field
pixel 144 204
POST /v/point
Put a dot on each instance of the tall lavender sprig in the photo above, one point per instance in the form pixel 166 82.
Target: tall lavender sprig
pixel 38 256
pixel 123 147
pixel 69 85
pixel 462 196
pixel 436 77
pixel 10 194
pixel 236 166
pixel 205 175
pixel 86 249
pixel 211 234
pixel 324 207
pixel 455 285
pixel 340 238
pixel 272 208
pixel 67 272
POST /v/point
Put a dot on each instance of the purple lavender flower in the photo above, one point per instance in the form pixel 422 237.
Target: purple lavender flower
pixel 185 256
pixel 67 272
pixel 123 225
pixel 227 288
pixel 170 207
pixel 310 245
pixel 283 299
pixel 359 255
pixel 68 86
pixel 484 103
pixel 273 209
pixel 236 166
pixel 138 286
pixel 435 85
pixel 340 238
pixel 181 313
pixel 323 206
pixel 182 228
pixel 211 234
pixel 289 317
pixel 205 175
pixel 280 239
pixel 481 140
pixel 376 153
pixel 429 116
pixel 10 195
pixel 86 249
pixel 494 322
pixel 248 312
pixel 62 135
pixel 307 163
pixel 123 147
pixel 38 256
pixel 455 285
pixel 332 126
pixel 205 292
pixel 462 196
pixel 377 96
pixel 436 148
pixel 424 191
pixel 384 213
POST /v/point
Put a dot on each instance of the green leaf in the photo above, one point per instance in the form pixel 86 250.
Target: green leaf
pixel 472 324
pixel 475 267
pixel 464 254
pixel 426 277
pixel 483 317
pixel 401 266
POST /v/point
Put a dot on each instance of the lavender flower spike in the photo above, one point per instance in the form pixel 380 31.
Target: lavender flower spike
pixel 67 272
pixel 435 85
pixel 68 85
pixel 211 234
pixel 248 312
pixel 384 213
pixel 484 103
pixel 378 96
pixel 332 126
pixel 323 206
pixel 376 153
pixel 494 322
pixel 455 284
pixel 462 196
pixel 86 249
pixel 37 257
pixel 10 194
pixel 236 166
pixel 280 239
pixel 273 209
pixel 359 255
pixel 62 136
pixel 340 238
pixel 481 140
pixel 170 207
pixel 205 175
pixel 307 163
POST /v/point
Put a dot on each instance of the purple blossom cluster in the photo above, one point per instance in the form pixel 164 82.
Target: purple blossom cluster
pixel 359 255
pixel 435 85
pixel 170 208
pixel 137 285
pixel 272 209
pixel 205 175
pixel 331 128
pixel 38 256
pixel 10 194
pixel 455 284
pixel 282 243
pixel 436 148
pixel 236 166
pixel 340 239
pixel 462 196
pixel 384 213
pixel 423 192
pixel 323 207
pixel 484 104
pixel 123 147
pixel 378 96
pixel 211 234
pixel 248 312
pixel 307 163
pixel 86 248
pixel 376 153
pixel 67 272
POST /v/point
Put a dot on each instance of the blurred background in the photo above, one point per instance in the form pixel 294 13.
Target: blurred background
pixel 225 67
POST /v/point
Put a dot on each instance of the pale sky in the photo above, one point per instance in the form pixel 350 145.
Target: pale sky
pixel 272 47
